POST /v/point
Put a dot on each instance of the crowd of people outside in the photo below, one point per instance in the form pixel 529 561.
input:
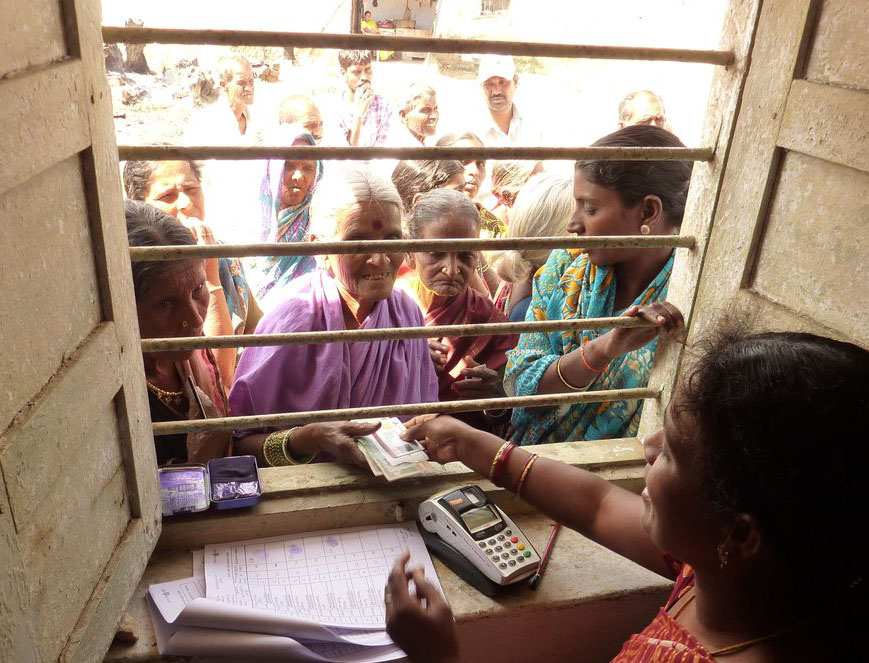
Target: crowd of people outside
pixel 714 516
pixel 276 200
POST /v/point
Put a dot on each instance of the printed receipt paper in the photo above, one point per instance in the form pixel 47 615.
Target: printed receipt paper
pixel 309 597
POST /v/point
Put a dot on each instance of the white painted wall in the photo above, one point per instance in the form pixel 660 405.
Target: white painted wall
pixel 422 13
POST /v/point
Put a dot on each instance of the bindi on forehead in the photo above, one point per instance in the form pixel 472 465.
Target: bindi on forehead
pixel 377 224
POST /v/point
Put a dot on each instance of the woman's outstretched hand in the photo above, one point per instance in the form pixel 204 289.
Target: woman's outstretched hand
pixel 478 381
pixel 337 438
pixel 667 319
pixel 421 623
pixel 438 352
pixel 443 437
pixel 204 236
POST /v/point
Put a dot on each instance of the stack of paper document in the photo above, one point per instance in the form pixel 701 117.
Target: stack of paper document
pixel 306 597
pixel 393 458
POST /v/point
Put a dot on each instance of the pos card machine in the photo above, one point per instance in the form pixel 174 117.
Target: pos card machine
pixel 482 538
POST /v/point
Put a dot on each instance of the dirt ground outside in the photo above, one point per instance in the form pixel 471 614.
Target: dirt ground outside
pixel 575 101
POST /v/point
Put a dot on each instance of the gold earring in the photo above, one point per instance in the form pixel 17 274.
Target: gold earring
pixel 645 230
pixel 723 555
pixel 184 324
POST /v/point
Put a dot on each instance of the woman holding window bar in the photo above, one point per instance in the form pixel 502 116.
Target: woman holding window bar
pixel 612 198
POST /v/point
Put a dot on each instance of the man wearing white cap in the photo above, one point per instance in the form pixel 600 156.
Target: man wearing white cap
pixel 503 124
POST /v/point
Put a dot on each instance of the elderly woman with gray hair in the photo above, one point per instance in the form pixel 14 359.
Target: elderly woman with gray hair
pixel 419 116
pixel 542 209
pixel 171 301
pixel 346 292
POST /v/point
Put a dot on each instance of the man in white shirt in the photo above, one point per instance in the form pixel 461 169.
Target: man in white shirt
pixel 503 124
pixel 231 187
pixel 228 120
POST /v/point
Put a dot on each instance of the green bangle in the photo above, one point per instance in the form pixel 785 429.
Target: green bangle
pixel 291 459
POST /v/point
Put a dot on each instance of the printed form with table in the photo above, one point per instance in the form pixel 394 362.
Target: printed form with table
pixel 308 597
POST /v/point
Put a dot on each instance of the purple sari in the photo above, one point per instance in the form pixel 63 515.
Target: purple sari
pixel 297 378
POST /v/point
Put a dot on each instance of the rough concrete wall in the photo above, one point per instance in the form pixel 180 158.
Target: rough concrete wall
pixel 78 505
pixel 790 241
pixel 42 20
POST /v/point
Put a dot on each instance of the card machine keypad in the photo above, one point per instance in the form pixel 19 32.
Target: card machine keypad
pixel 479 530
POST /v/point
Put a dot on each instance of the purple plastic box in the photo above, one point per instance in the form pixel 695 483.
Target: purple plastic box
pixel 235 482
pixel 184 489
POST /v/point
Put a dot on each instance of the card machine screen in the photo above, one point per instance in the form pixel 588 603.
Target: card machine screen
pixel 479 519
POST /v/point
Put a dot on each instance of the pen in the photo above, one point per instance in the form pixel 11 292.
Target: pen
pixel 538 574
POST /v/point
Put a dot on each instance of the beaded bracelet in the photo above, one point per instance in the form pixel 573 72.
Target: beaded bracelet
pixel 497 460
pixel 525 471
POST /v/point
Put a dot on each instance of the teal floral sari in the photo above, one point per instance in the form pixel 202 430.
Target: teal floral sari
pixel 569 287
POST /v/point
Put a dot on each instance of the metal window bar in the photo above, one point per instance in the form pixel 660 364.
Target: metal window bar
pixel 162 253
pixel 144 35
pixel 301 418
pixel 311 152
pixel 166 253
pixel 385 334
pixel 432 45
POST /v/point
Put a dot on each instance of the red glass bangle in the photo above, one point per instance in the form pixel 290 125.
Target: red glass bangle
pixel 585 361
pixel 501 465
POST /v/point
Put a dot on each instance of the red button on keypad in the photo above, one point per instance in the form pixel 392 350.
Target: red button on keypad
pixel 514 539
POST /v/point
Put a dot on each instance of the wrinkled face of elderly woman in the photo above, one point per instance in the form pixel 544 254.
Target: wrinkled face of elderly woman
pixel 296 182
pixel 368 277
pixel 174 304
pixel 175 189
pixel 447 273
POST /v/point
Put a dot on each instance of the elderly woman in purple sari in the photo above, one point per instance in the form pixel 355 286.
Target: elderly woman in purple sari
pixel 345 292
pixel 286 190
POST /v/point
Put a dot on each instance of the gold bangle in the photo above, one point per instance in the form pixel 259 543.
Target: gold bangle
pixel 273 449
pixel 498 455
pixel 524 474
pixel 561 377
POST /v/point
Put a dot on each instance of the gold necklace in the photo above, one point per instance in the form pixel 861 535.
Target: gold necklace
pixel 737 647
pixel 162 393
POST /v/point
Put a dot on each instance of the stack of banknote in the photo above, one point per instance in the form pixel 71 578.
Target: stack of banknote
pixel 393 458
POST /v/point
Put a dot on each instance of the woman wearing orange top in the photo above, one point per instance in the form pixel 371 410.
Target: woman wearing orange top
pixel 755 484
